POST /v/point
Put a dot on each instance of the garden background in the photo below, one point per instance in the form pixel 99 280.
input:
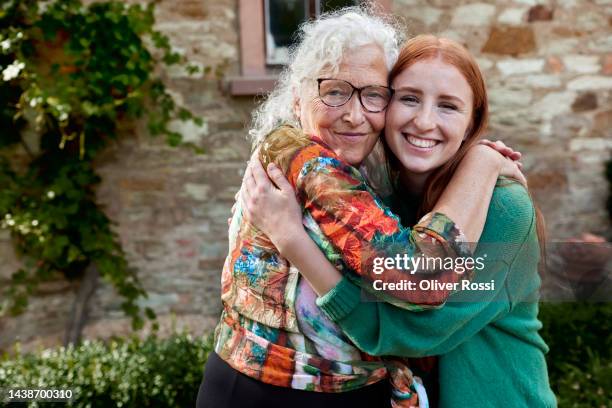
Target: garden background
pixel 96 210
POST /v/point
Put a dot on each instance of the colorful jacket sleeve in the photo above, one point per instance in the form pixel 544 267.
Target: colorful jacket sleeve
pixel 365 233
pixel 383 329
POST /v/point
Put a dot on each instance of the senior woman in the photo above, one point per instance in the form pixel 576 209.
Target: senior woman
pixel 273 346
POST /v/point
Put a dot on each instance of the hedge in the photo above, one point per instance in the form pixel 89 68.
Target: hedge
pixel 123 372
pixel 167 372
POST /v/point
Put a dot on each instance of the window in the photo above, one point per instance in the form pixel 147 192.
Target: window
pixel 266 33
pixel 282 19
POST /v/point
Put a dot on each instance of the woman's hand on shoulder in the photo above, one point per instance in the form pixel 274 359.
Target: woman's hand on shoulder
pixel 503 149
pixel 507 166
pixel 269 202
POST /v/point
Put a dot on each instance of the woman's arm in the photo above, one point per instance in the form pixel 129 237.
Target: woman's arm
pixel 379 328
pixel 382 329
pixel 466 198
pixel 281 218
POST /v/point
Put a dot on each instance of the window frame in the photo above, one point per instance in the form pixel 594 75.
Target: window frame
pixel 267 29
pixel 256 77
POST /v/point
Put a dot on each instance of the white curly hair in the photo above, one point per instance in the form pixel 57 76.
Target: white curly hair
pixel 321 45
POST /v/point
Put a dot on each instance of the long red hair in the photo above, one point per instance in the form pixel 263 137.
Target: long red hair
pixel 424 47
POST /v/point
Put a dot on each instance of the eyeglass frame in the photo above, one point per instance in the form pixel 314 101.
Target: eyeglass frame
pixel 391 91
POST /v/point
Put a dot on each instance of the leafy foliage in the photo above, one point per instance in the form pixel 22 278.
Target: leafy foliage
pixel 167 373
pixel 70 74
pixel 125 372
pixel 580 357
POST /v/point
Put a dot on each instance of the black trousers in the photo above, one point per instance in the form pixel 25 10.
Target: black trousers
pixel 224 387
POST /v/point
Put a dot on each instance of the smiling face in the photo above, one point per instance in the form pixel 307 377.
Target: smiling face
pixel 349 130
pixel 429 115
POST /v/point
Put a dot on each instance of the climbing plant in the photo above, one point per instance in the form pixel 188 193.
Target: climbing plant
pixel 71 73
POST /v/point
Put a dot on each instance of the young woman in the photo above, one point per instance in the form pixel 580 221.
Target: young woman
pixel 490 352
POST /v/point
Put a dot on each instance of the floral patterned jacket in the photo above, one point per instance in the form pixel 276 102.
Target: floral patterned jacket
pixel 271 328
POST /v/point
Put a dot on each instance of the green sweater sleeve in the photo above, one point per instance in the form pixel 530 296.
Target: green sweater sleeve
pixel 383 329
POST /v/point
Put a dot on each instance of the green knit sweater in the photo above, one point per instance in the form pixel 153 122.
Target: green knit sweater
pixel 490 352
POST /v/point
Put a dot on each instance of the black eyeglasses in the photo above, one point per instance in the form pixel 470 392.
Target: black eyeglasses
pixel 336 92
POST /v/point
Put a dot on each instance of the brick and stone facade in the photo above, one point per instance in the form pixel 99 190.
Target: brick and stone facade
pixel 548 66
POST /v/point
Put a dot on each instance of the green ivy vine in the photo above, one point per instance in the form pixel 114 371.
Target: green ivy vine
pixel 70 74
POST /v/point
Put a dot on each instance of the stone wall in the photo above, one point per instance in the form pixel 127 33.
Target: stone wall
pixel 548 66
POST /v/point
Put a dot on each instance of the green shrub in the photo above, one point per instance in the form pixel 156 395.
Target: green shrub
pixel 586 387
pixel 126 373
pixel 579 360
pixel 167 373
